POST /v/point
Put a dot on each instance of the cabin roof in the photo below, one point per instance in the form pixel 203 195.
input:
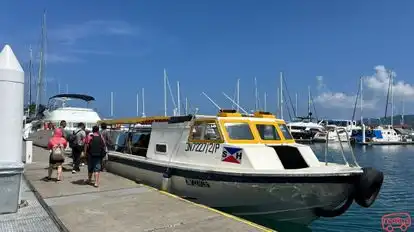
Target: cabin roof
pixel 83 97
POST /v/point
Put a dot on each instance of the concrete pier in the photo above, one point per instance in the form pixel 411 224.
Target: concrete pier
pixel 120 204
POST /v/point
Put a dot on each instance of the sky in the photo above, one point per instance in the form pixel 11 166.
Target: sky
pixel 97 47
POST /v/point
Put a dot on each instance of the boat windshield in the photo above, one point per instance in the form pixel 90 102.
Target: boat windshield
pixel 285 131
pixel 267 132
pixel 239 131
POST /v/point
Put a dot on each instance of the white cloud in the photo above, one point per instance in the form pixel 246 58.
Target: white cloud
pixel 342 100
pixel 375 89
pixel 71 33
pixel 379 83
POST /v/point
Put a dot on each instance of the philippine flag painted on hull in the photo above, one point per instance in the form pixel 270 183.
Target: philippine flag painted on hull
pixel 232 155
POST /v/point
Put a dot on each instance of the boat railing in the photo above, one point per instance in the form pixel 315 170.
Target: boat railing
pixel 337 130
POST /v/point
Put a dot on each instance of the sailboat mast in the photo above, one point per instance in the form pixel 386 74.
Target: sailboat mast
pixel 265 102
pixel 281 95
pixel 186 106
pixel 137 103
pixel 296 105
pixel 143 102
pixel 403 112
pixel 30 75
pixel 392 97
pixel 238 94
pixel 165 93
pixel 309 101
pixel 41 66
pixel 278 101
pixel 361 98
pixel 112 104
pixel 178 99
pixel 255 95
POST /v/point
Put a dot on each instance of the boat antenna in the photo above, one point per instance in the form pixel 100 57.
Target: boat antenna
pixel 235 103
pixel 211 100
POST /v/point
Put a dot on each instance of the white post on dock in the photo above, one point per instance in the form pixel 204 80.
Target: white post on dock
pixel 112 104
pixel 11 106
pixel 11 118
pixel 143 102
pixel 178 99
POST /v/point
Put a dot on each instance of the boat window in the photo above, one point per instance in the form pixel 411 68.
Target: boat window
pixel 285 131
pixel 239 131
pixel 162 148
pixel 205 131
pixel 267 132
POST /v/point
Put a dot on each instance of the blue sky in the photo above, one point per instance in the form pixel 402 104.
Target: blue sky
pixel 96 47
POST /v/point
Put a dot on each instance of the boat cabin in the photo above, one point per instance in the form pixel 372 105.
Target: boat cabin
pixel 262 140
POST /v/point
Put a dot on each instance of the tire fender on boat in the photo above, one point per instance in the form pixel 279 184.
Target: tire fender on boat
pixel 321 212
pixel 368 187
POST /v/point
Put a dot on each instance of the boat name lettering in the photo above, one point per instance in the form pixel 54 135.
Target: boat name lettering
pixel 197 183
pixel 203 147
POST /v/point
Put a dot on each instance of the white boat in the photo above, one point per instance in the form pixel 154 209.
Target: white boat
pixel 331 133
pixel 58 110
pixel 304 128
pixel 388 134
pixel 248 166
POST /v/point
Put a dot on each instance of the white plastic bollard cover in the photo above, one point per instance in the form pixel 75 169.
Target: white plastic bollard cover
pixel 11 107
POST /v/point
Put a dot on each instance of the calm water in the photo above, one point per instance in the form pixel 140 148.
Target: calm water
pixel 397 192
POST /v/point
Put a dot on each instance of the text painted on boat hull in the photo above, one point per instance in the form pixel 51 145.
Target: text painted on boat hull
pixel 203 147
pixel 197 183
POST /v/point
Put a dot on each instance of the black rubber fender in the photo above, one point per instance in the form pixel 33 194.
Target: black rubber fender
pixel 320 212
pixel 368 187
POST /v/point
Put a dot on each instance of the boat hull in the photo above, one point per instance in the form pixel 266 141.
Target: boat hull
pixel 296 201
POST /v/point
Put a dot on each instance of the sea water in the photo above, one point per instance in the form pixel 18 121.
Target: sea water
pixel 396 195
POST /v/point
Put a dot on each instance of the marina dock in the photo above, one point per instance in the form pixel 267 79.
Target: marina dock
pixel 120 204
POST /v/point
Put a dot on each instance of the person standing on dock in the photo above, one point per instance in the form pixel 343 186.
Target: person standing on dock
pixel 95 149
pixel 57 145
pixel 108 143
pixel 62 126
pixel 77 142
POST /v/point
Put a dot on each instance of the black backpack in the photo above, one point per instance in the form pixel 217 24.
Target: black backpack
pixel 96 146
pixel 72 138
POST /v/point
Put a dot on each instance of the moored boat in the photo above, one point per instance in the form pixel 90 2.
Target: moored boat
pixel 249 166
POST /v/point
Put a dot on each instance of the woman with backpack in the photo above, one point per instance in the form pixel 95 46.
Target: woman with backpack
pixel 57 145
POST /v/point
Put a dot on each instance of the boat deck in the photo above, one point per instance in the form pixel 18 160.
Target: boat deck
pixel 120 204
pixel 387 143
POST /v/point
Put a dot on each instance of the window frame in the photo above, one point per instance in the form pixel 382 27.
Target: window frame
pixel 207 121
pixel 292 139
pixel 159 152
pixel 255 139
pixel 275 126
